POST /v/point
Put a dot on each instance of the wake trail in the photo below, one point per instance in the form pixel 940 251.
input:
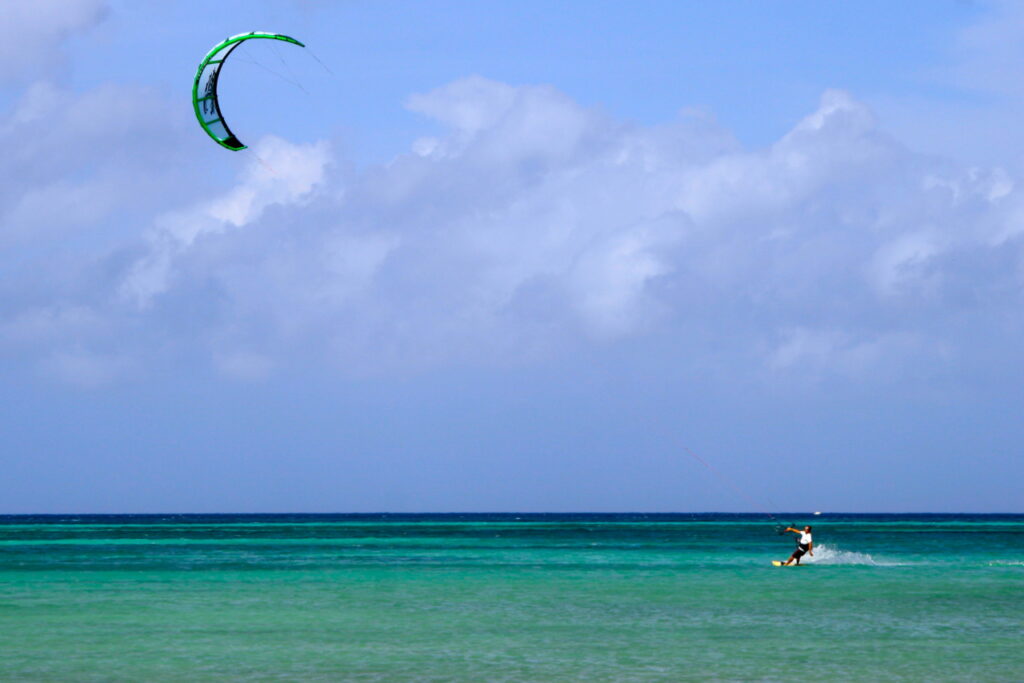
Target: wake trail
pixel 827 554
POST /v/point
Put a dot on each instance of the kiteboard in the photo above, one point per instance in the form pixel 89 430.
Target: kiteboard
pixel 780 563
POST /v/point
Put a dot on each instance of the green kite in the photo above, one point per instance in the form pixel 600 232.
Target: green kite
pixel 204 89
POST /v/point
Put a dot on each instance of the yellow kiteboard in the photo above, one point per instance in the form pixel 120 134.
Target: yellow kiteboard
pixel 780 563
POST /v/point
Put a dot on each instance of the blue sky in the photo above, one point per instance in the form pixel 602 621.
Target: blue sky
pixel 513 256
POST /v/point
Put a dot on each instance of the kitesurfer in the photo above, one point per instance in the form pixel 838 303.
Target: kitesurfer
pixel 805 544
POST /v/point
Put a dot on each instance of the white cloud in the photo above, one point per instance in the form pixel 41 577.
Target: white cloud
pixel 66 168
pixel 48 324
pixel 814 354
pixel 990 51
pixel 903 263
pixel 34 31
pixel 536 226
pixel 469 105
pixel 969 104
pixel 278 173
pixel 85 368
pixel 609 279
pixel 245 366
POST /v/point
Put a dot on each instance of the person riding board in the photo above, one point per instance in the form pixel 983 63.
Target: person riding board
pixel 805 544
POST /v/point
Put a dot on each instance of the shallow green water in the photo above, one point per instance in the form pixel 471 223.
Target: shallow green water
pixel 509 597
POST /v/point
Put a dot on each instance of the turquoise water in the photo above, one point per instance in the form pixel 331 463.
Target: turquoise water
pixel 509 598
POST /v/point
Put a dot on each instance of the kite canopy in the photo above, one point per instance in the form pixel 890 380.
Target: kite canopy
pixel 204 89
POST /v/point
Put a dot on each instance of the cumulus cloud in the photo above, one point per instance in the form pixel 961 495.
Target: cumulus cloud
pixel 533 226
pixel 283 175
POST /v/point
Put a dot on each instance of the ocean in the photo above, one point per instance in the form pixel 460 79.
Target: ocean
pixel 510 597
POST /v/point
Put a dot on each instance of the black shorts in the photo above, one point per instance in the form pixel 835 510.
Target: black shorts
pixel 800 551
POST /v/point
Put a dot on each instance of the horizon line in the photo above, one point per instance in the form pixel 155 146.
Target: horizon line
pixel 463 512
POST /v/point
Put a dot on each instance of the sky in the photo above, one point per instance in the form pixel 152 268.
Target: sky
pixel 530 256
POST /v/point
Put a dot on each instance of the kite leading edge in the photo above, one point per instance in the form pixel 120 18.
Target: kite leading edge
pixel 204 88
